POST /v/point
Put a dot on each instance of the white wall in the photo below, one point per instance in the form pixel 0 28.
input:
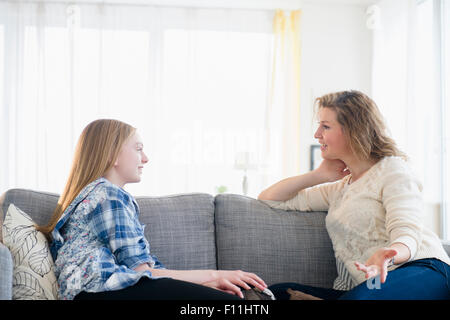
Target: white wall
pixel 336 55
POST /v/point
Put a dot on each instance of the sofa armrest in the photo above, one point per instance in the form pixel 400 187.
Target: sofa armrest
pixel 6 273
pixel 446 245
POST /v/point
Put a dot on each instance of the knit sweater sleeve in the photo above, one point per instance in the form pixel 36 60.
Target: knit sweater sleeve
pixel 315 198
pixel 403 202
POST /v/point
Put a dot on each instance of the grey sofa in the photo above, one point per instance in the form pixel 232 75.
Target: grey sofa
pixel 199 231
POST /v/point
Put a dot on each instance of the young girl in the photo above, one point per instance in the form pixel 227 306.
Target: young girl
pixel 98 244
pixel 374 206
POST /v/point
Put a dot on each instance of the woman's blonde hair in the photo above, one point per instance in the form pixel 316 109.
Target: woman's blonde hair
pixel 97 149
pixel 362 123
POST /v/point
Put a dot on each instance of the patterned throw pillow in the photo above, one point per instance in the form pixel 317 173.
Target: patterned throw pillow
pixel 34 277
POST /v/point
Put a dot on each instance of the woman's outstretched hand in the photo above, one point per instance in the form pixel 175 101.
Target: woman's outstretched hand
pixel 377 264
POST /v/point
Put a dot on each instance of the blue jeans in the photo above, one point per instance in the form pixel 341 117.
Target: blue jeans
pixel 424 279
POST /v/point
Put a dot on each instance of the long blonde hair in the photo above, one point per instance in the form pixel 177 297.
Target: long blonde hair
pixel 97 149
pixel 362 123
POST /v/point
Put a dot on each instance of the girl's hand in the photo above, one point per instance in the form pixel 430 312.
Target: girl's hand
pixel 377 264
pixel 232 281
pixel 332 170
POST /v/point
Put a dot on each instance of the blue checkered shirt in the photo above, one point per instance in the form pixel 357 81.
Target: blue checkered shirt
pixel 98 241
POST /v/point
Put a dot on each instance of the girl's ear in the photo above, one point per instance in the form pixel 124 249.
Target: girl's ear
pixel 116 162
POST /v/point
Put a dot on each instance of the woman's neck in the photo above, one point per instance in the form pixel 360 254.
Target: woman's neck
pixel 358 167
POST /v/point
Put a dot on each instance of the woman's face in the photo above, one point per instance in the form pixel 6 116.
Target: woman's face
pixel 131 160
pixel 334 144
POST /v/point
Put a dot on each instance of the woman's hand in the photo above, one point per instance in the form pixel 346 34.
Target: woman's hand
pixel 232 281
pixel 224 280
pixel 328 171
pixel 377 264
pixel 332 170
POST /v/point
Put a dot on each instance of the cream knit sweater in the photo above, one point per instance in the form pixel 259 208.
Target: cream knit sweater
pixel 382 207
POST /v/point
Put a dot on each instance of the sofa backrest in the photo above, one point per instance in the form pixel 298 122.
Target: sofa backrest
pixel 38 205
pixel 279 246
pixel 180 228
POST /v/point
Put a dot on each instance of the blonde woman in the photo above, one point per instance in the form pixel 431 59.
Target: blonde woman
pixel 97 242
pixel 374 205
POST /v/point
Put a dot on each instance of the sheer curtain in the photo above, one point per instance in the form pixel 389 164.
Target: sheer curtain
pixel 407 88
pixel 195 82
pixel 283 107
pixel 445 78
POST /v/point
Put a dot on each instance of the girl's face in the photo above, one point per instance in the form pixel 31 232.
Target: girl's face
pixel 334 144
pixel 130 162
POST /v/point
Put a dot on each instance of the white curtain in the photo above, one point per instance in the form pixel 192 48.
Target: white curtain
pixel 283 108
pixel 193 81
pixel 406 86
pixel 445 69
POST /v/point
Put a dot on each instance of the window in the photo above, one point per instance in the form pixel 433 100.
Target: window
pixel 425 126
pixel 3 112
pixel 2 59
pixel 432 92
pixel 409 80
pixel 67 82
pixel 181 76
pixel 217 111
pixel 445 105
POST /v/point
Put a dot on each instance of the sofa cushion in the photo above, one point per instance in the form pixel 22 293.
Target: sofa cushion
pixel 33 275
pixel 277 245
pixel 180 229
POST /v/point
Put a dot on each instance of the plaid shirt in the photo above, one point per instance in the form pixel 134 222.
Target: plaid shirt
pixel 98 241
